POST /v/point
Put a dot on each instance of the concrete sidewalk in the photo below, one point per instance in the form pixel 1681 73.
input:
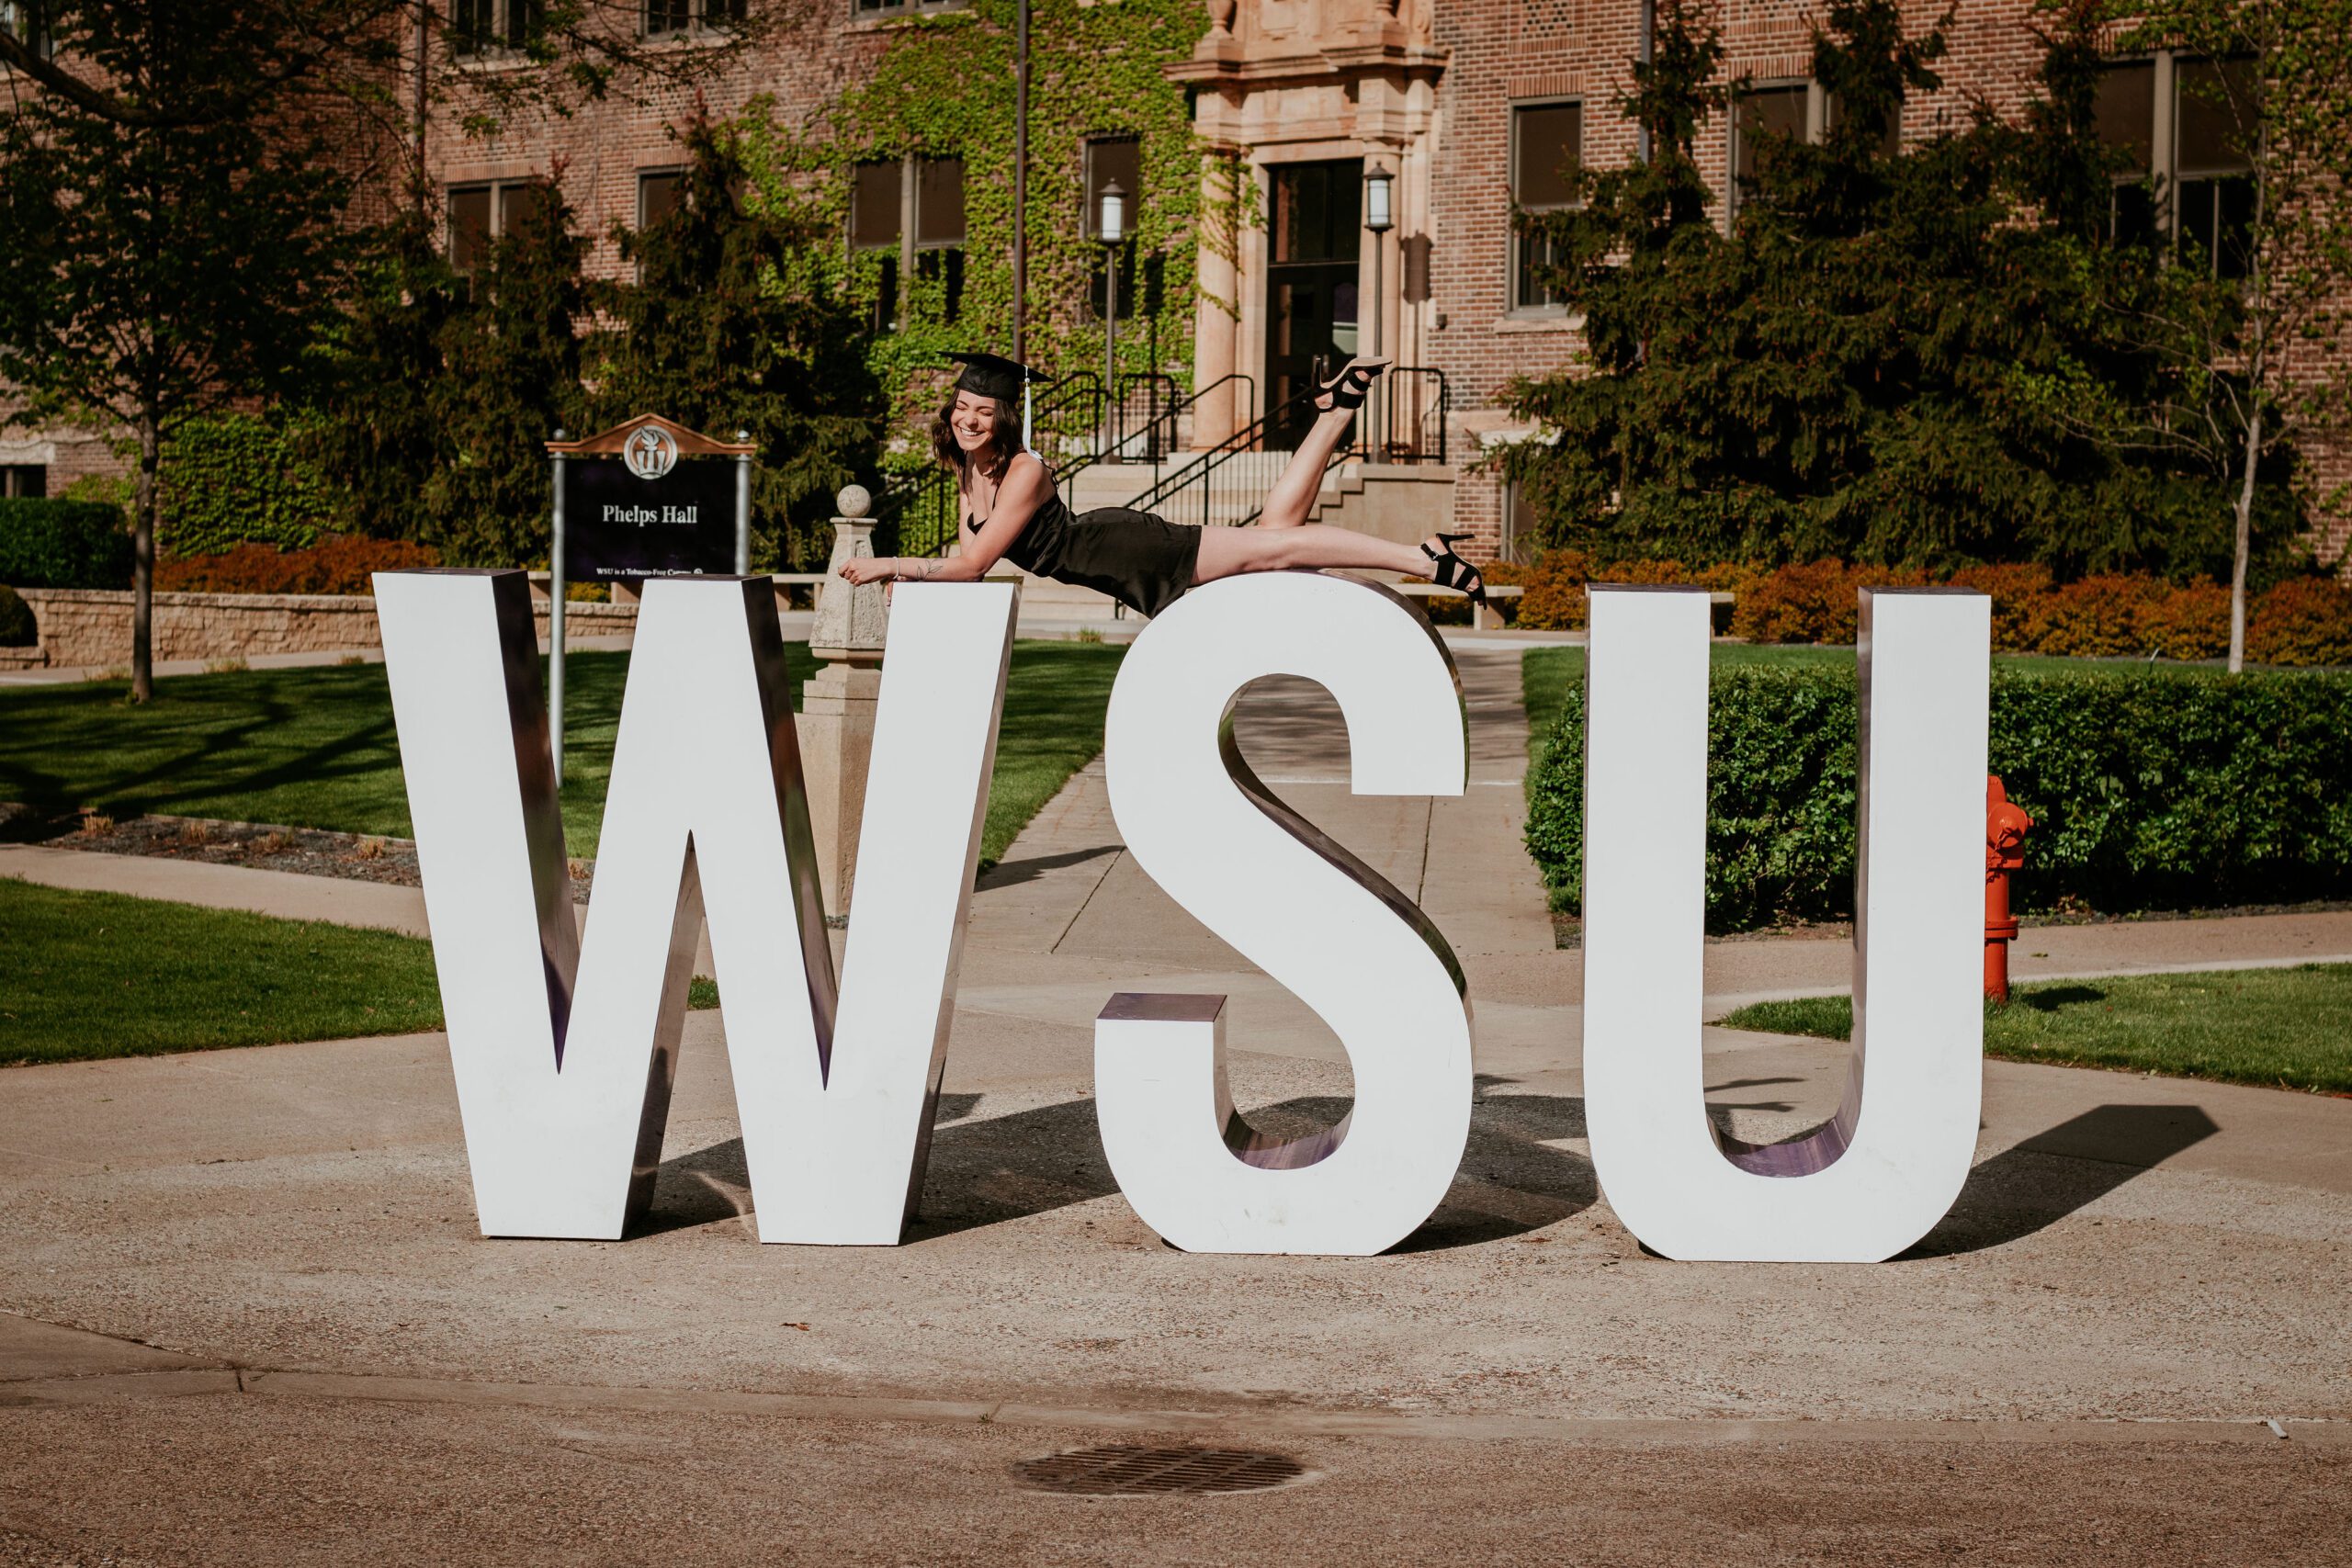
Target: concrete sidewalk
pixel 255 1320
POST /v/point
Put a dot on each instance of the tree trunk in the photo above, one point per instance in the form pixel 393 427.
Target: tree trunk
pixel 142 558
pixel 2245 542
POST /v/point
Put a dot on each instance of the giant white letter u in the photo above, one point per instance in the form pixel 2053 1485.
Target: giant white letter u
pixel 1885 1169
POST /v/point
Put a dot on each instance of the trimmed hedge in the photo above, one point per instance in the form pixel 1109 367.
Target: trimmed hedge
pixel 63 544
pixel 2148 791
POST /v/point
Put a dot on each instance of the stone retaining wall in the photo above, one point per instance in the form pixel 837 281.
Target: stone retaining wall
pixel 82 627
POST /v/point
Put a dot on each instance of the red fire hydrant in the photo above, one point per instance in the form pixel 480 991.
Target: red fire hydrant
pixel 2004 829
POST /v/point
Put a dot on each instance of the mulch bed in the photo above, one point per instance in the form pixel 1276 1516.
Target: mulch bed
pixel 262 846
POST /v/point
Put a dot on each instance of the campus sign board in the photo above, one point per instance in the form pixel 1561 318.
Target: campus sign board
pixel 565 1040
pixel 647 498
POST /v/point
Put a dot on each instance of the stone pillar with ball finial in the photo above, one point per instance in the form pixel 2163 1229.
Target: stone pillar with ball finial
pixel 837 705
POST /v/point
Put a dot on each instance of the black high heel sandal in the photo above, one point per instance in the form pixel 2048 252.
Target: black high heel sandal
pixel 1349 388
pixel 1453 571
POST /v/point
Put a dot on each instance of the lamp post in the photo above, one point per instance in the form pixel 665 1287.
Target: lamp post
pixel 1113 229
pixel 1379 219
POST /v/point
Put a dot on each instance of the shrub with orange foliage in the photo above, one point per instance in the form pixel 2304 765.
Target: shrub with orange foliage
pixel 339 565
pixel 1555 598
pixel 2188 622
pixel 2020 596
pixel 2096 618
pixel 1810 602
pixel 2307 620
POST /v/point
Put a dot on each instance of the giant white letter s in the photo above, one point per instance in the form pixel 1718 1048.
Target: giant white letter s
pixel 1312 916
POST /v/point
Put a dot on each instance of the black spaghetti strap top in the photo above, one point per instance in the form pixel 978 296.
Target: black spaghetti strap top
pixel 1145 562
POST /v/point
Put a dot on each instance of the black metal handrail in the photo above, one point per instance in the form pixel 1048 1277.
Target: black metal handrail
pixel 1149 433
pixel 1415 405
pixel 1193 493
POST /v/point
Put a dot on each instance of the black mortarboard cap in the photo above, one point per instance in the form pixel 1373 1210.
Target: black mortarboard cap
pixel 992 376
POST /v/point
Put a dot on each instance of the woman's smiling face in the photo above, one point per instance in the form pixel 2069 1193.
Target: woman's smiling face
pixel 973 421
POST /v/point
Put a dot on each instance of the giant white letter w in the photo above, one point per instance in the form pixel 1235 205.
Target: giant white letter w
pixel 565 1045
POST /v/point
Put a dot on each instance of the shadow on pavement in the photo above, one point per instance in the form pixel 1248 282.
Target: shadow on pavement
pixel 1009 873
pixel 1006 1168
pixel 2049 1176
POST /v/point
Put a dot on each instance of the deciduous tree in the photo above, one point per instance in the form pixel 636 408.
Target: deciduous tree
pixel 157 263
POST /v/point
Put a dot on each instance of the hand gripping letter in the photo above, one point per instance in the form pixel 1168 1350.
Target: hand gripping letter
pixel 1311 915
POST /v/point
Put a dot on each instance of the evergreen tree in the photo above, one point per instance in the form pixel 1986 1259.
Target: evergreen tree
pixel 730 326
pixel 510 378
pixel 1853 370
pixel 378 435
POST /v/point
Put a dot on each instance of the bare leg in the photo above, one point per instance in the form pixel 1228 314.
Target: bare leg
pixel 1227 552
pixel 1294 492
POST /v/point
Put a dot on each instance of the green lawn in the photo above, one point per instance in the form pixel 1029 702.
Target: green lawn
pixel 93 975
pixel 315 749
pixel 2279 1028
pixel 1547 674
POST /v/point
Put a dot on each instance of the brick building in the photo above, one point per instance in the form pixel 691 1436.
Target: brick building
pixel 1467 105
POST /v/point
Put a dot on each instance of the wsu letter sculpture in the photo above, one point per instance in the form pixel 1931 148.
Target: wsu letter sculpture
pixel 565 1041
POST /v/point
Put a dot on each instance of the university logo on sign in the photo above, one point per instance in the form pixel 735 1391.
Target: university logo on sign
pixel 565 1040
pixel 652 453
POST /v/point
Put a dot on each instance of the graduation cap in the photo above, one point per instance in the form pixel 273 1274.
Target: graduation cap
pixel 993 375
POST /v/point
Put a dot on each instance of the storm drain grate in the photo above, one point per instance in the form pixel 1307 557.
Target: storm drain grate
pixel 1126 1470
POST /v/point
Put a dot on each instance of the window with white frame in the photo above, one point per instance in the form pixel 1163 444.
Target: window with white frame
pixel 911 209
pixel 1799 110
pixel 483 213
pixel 672 18
pixel 1546 154
pixel 488 27
pixel 869 8
pixel 22 19
pixel 2184 130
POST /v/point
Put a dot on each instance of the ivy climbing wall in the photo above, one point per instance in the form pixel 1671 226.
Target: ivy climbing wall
pixel 943 86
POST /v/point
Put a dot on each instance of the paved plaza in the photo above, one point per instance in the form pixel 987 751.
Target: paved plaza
pixel 253 1320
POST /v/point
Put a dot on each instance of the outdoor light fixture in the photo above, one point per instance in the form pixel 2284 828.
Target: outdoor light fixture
pixel 1114 213
pixel 1113 230
pixel 1378 218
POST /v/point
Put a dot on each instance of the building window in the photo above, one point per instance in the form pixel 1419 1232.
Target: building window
pixel 670 19
pixel 1546 152
pixel 24 480
pixel 660 192
pixel 912 208
pixel 1110 158
pixel 1781 108
pixel 939 231
pixel 2213 138
pixel 1521 533
pixel 23 19
pixel 485 26
pixel 866 8
pixel 480 215
pixel 2183 131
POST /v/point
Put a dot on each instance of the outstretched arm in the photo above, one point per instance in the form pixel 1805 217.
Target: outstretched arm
pixel 1026 489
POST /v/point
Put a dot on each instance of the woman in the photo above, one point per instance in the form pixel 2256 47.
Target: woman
pixel 1011 509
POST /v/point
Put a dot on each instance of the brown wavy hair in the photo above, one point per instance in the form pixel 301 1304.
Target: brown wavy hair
pixel 1004 436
